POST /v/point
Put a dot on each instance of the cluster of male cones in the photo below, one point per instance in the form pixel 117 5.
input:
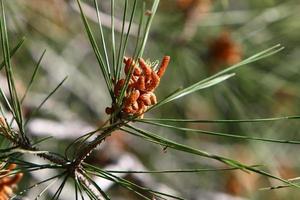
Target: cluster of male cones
pixel 8 182
pixel 143 81
pixel 223 50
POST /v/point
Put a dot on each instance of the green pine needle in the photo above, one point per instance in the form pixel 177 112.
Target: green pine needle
pixel 183 148
pixel 104 68
pixel 220 121
pixel 36 110
pixel 193 88
pixel 13 51
pixel 218 77
pixel 37 67
pixel 230 135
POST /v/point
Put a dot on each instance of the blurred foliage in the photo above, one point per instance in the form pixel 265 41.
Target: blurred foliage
pixel 266 88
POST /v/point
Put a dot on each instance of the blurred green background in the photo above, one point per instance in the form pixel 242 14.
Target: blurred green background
pixel 202 37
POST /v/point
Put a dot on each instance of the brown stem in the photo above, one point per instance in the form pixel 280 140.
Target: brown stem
pixel 80 176
pixel 92 145
pixel 54 158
